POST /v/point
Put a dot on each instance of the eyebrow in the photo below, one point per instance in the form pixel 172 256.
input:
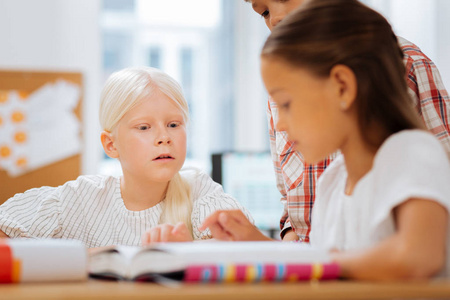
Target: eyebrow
pixel 275 90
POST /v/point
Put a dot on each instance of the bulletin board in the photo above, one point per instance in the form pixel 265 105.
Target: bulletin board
pixel 55 174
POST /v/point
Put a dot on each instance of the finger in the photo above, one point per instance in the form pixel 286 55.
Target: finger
pixel 210 220
pixel 219 233
pixel 239 228
pixel 181 233
pixel 165 233
pixel 145 238
pixel 236 215
pixel 180 228
pixel 155 234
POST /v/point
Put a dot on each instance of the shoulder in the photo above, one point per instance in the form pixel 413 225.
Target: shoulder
pixel 411 51
pixel 84 183
pixel 412 163
pixel 201 184
pixel 92 182
pixel 416 145
pixel 409 164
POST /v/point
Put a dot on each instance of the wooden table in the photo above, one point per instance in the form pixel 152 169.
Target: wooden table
pixel 347 290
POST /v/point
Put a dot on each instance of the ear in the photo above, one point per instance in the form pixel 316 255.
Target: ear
pixel 108 144
pixel 345 86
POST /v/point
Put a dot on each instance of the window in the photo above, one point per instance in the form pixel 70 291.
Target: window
pixel 177 37
pixel 119 5
pixel 215 57
pixel 154 57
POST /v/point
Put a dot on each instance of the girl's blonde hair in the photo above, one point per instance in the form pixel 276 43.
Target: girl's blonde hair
pixel 124 90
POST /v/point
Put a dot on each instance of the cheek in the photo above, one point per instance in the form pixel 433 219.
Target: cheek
pixel 181 140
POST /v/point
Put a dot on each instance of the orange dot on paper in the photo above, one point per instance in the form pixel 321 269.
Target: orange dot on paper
pixel 20 137
pixel 21 162
pixel 1 121
pixel 17 117
pixel 5 151
pixel 23 95
pixel 3 96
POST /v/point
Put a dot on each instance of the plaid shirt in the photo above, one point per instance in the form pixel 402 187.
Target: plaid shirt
pixel 296 180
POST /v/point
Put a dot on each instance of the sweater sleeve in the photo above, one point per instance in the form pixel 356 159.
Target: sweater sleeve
pixel 208 197
pixel 32 214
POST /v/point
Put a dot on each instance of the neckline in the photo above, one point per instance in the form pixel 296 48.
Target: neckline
pixel 120 204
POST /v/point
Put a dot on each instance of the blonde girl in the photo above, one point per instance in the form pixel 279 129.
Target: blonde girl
pixel 143 115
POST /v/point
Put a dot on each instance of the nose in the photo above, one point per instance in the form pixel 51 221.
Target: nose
pixel 280 125
pixel 275 20
pixel 163 138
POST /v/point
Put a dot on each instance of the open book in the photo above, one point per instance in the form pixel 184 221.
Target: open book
pixel 213 262
pixel 39 260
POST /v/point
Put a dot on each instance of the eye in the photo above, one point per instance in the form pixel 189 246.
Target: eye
pixel 265 14
pixel 143 127
pixel 285 105
pixel 174 124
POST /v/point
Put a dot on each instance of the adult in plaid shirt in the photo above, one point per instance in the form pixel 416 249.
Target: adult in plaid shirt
pixel 296 180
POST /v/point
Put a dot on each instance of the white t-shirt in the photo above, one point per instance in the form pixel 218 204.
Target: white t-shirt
pixel 91 209
pixel 411 163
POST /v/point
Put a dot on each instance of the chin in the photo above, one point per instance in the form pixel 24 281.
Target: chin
pixel 162 176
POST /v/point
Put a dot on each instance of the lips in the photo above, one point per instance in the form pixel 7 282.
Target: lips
pixel 163 156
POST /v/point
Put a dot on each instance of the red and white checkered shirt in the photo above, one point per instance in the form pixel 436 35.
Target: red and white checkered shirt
pixel 296 180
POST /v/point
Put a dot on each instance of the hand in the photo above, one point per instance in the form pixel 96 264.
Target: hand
pixel 167 233
pixel 232 225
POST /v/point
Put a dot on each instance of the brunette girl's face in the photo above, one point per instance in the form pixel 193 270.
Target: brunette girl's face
pixel 312 110
pixel 273 11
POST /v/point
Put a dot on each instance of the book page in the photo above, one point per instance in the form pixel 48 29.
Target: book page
pixel 153 261
pixel 112 262
pixel 203 252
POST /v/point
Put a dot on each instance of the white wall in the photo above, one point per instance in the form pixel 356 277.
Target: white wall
pixel 443 40
pixel 423 22
pixel 55 35
pixel 250 126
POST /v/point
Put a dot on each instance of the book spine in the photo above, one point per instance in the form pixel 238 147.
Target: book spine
pixel 10 268
pixel 261 272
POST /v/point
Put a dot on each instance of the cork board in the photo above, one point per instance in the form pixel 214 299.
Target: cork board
pixel 56 173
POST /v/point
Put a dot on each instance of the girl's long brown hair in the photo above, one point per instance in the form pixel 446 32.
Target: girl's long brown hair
pixel 324 33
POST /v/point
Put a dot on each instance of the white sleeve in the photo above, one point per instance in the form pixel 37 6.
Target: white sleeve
pixel 32 214
pixel 411 165
pixel 208 197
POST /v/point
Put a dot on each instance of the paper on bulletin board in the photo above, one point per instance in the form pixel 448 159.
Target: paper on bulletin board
pixel 38 129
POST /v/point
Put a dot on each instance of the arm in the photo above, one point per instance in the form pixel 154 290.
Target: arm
pixel 3 235
pixel 232 225
pixel 416 250
pixel 290 235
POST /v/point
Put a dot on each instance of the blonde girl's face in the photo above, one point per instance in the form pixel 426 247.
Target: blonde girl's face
pixel 273 11
pixel 150 139
pixel 309 108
